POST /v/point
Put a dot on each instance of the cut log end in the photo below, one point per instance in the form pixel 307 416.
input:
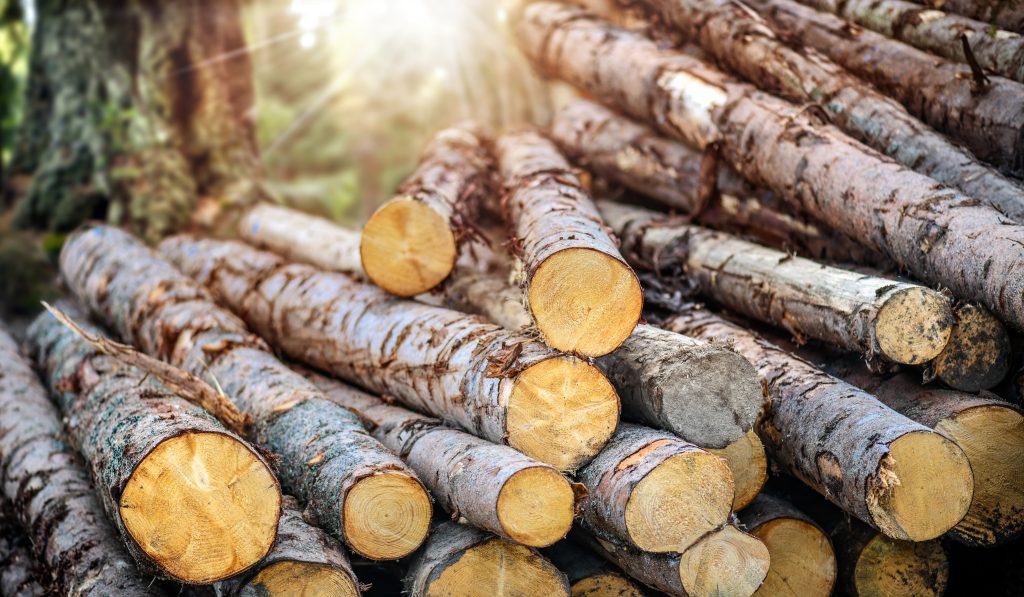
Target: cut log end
pixel 749 465
pixel 203 506
pixel 679 501
pixel 407 247
pixel 498 568
pixel 386 516
pixel 300 578
pixel 992 437
pixel 584 301
pixel 536 506
pixel 901 569
pixel 922 489
pixel 802 560
pixel 726 562
pixel 605 584
pixel 977 356
pixel 561 411
pixel 913 326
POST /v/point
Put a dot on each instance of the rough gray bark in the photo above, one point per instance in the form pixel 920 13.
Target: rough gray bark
pixel 987 117
pixel 302 237
pixel 20 574
pixel 1000 52
pixel 838 438
pixel 897 321
pixel 433 360
pixel 305 545
pixel 465 474
pixel 939 235
pixel 116 416
pixel 462 560
pixel 633 155
pixel 739 39
pixel 322 450
pixel 1006 14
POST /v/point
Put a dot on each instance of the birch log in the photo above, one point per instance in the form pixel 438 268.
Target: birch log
pixel 350 484
pixel 303 237
pixel 192 501
pixel 633 155
pixel 934 232
pixel 50 492
pixel 987 117
pixel 496 384
pixel 491 486
pixel 997 51
pixel 897 475
pixel 410 244
pixel 20 572
pixel 897 321
pixel 462 560
pixel 581 294
pixel 1006 15
pixel 739 39
pixel 803 562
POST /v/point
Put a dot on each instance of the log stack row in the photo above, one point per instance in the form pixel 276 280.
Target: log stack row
pixel 505 380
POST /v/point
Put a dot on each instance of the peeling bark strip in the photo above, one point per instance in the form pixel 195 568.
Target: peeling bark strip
pixel 739 39
pixel 900 322
pixel 492 486
pixel 871 564
pixel 51 493
pixel 990 432
pixel 582 295
pixel 940 92
pixel 588 574
pixel 325 456
pixel 462 560
pixel 899 476
pixel 1000 52
pixel 410 244
pixel 725 562
pixel 802 559
pixel 938 234
pixel 304 561
pixel 708 395
pixel 302 237
pixel 1004 14
pixel 654 491
pixel 192 501
pixel 496 384
pixel 635 156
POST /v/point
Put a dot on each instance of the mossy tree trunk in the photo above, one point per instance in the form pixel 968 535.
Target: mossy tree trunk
pixel 134 111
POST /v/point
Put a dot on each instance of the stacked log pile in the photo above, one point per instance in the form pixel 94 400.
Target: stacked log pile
pixel 519 379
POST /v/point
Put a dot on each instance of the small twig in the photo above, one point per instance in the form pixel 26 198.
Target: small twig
pixel 182 383
pixel 981 81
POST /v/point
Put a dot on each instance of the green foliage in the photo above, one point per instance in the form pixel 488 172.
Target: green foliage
pixel 28 274
pixel 14 44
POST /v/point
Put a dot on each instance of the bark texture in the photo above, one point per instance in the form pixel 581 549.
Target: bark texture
pixel 135 110
pixel 633 155
pixel 986 117
pixel 301 543
pixel 631 459
pixel 940 235
pixel 115 416
pixel 302 237
pixel 878 317
pixel 705 394
pixel 1002 13
pixel 20 575
pixel 433 360
pixel 552 213
pixel 462 560
pixel 833 436
pixel 322 450
pixel 739 39
pixel 999 52
pixel 467 475
pixel 410 244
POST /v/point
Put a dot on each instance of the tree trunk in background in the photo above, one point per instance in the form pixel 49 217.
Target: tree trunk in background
pixel 136 110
